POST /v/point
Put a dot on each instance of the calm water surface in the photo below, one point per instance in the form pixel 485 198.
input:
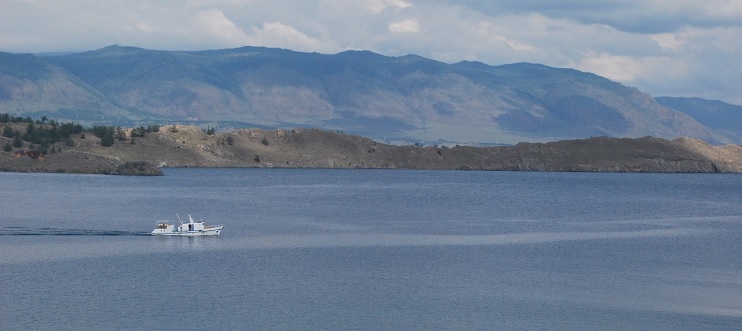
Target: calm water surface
pixel 370 249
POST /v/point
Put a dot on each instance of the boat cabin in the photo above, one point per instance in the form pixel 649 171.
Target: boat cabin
pixel 191 226
pixel 163 228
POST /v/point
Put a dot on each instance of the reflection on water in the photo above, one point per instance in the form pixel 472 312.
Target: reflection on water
pixel 186 244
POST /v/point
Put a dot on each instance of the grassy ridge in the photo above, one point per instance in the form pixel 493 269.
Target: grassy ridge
pixel 142 151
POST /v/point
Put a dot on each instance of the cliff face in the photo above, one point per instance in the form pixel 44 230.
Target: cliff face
pixel 73 161
pixel 185 146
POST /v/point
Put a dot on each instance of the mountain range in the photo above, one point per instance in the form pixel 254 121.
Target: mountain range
pixel 392 99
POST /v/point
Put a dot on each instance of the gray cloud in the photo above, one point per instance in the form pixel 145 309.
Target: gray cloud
pixel 664 47
pixel 635 16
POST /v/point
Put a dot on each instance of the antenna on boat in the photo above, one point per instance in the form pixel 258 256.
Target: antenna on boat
pixel 181 222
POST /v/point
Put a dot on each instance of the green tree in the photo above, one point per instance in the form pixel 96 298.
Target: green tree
pixel 69 128
pixel 30 129
pixel 120 134
pixel 8 132
pixel 17 141
pixel 153 128
pixel 102 130
pixel 7 147
pixel 107 139
pixel 138 132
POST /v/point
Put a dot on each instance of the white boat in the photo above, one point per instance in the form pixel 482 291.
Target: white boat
pixel 190 229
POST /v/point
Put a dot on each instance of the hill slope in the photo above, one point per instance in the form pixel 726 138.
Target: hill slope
pixel 714 114
pixel 188 146
pixel 407 98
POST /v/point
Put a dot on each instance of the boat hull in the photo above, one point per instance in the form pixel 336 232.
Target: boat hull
pixel 212 231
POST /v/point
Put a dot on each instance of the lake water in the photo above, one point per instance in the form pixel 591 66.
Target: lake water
pixel 372 250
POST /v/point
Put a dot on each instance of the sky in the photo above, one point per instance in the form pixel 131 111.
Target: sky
pixel 686 48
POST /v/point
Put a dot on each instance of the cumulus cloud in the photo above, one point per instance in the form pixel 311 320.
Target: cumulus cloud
pixel 671 47
pixel 218 26
pixel 408 25
pixel 277 34
pixel 631 69
pixel 670 41
pixel 377 6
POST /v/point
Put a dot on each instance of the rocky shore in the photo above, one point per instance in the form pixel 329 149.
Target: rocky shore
pixel 188 146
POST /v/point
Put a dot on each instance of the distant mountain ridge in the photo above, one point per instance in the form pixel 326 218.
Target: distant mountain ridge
pixel 714 114
pixel 407 98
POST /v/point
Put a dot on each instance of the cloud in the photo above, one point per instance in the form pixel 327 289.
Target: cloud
pixel 670 41
pixel 377 6
pixel 408 25
pixel 277 34
pixel 636 16
pixel 220 27
pixel 631 69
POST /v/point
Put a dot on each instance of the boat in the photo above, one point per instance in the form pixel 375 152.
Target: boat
pixel 190 229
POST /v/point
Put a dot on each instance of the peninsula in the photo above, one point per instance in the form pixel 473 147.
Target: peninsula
pixel 139 153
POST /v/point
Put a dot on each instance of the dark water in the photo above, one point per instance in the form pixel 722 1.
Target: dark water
pixel 363 249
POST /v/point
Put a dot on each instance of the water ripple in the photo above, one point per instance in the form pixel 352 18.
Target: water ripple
pixel 25 231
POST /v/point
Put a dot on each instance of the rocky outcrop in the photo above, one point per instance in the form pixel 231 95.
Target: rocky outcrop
pixel 80 163
pixel 139 168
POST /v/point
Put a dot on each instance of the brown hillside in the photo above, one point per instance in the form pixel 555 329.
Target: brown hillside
pixel 188 146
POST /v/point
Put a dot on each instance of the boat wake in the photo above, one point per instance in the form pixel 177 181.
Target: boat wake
pixel 24 231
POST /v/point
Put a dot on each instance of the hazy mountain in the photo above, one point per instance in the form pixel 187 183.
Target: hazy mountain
pixel 388 98
pixel 714 114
